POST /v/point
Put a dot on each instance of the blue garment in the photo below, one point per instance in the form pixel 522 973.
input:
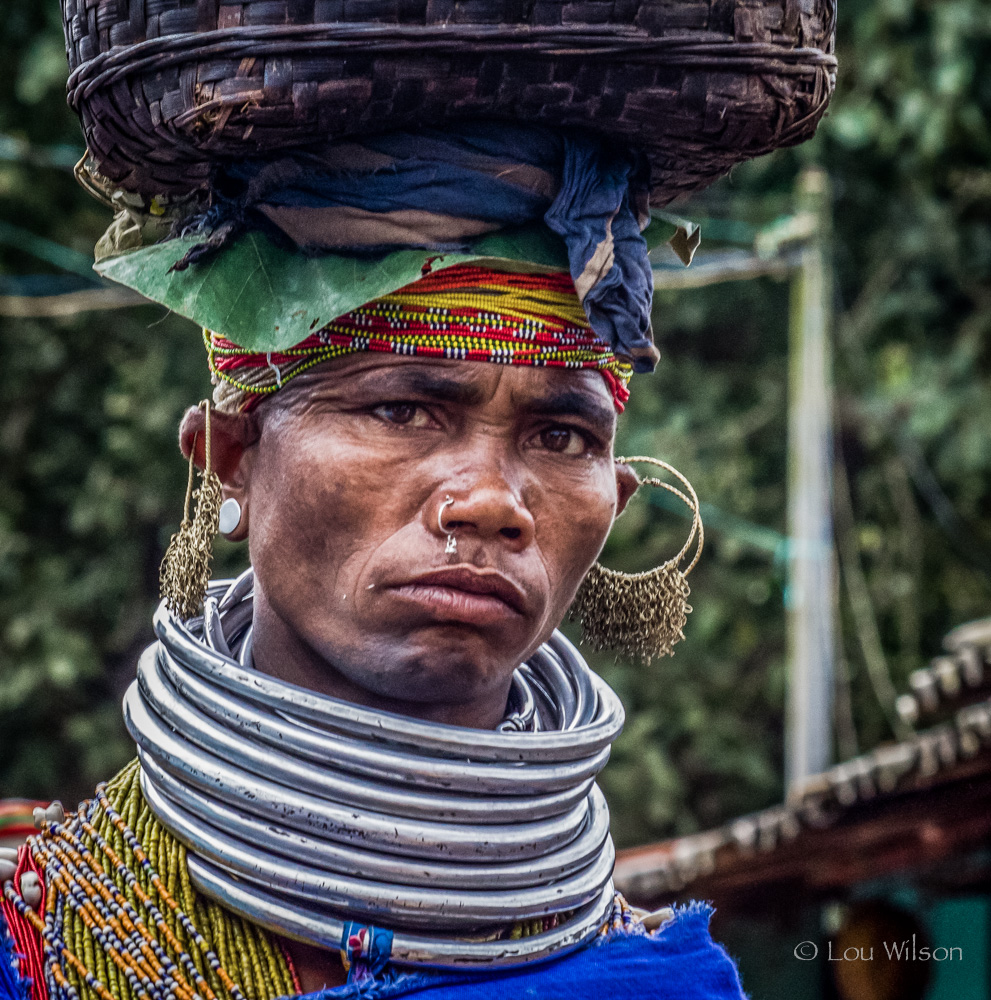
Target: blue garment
pixel 678 962
pixel 439 188
pixel 462 174
pixel 12 986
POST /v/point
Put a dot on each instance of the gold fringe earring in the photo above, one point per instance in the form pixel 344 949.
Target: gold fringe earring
pixel 641 615
pixel 185 571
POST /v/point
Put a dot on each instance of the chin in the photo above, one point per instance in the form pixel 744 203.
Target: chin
pixel 448 667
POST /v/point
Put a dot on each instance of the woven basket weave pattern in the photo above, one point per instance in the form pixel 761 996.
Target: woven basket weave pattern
pixel 168 87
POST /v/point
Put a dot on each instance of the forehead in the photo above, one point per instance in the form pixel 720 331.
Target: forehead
pixel 467 383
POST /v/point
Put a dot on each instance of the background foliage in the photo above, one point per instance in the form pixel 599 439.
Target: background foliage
pixel 92 483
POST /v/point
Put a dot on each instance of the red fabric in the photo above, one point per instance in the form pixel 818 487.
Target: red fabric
pixel 27 941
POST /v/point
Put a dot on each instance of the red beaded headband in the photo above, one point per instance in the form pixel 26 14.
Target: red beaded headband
pixel 463 312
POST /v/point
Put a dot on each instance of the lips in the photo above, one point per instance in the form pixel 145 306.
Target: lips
pixel 473 581
pixel 464 594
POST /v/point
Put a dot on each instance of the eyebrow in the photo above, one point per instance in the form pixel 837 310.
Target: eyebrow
pixel 571 403
pixel 434 384
pixel 421 382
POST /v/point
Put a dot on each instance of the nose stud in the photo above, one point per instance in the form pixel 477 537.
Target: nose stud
pixel 451 548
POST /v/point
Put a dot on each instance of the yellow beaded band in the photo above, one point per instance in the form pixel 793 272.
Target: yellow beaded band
pixel 460 313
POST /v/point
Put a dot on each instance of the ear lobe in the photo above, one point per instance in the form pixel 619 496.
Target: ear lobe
pixel 240 530
pixel 230 436
pixel 626 485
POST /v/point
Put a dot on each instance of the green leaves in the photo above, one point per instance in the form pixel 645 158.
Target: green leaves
pixel 266 298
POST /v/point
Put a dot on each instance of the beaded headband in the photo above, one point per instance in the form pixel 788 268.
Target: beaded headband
pixel 464 312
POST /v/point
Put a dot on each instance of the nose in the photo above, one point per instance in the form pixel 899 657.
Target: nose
pixel 489 510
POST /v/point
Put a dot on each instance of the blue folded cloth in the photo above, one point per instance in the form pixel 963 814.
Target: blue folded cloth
pixel 439 189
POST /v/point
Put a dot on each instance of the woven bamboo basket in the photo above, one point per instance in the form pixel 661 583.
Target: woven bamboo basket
pixel 167 89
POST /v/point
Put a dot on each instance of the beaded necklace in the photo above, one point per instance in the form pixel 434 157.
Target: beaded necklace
pixel 122 921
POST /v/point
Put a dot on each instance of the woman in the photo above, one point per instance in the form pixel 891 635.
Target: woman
pixel 371 756
pixel 346 781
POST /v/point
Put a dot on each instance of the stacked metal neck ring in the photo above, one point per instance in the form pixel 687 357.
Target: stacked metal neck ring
pixel 305 814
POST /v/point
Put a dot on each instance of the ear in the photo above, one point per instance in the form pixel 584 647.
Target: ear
pixel 230 437
pixel 626 485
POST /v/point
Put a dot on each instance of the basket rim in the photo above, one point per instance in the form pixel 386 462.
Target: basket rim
pixel 702 50
pixel 790 83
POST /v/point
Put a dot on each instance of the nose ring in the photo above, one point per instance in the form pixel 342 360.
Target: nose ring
pixel 452 543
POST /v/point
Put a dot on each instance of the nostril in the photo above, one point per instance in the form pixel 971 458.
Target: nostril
pixel 512 533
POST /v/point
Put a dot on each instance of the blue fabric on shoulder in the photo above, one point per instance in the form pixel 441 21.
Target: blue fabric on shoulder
pixel 678 962
pixel 12 986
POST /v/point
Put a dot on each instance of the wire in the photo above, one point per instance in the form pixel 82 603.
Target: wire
pixel 68 303
pixel 62 257
pixel 738 528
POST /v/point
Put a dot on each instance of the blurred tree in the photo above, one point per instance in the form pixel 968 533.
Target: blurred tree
pixel 92 483
pixel 907 143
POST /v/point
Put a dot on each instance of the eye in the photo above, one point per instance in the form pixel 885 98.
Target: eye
pixel 564 441
pixel 403 414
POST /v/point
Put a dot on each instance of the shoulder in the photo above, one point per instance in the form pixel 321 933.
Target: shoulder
pixel 679 960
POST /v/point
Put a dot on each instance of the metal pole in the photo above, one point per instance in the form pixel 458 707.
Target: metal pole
pixel 808 737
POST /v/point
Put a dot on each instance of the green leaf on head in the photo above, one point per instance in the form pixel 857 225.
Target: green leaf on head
pixel 264 297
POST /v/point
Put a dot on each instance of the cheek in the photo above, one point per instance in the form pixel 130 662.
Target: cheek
pixel 574 528
pixel 305 517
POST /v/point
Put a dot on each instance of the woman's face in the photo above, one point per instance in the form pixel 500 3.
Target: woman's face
pixel 342 482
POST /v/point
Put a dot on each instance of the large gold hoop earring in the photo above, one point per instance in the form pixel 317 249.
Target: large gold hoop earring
pixel 641 615
pixel 185 571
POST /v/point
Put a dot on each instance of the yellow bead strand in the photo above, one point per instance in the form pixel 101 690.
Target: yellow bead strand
pixel 113 864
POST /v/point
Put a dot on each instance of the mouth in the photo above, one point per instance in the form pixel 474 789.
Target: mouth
pixel 464 594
